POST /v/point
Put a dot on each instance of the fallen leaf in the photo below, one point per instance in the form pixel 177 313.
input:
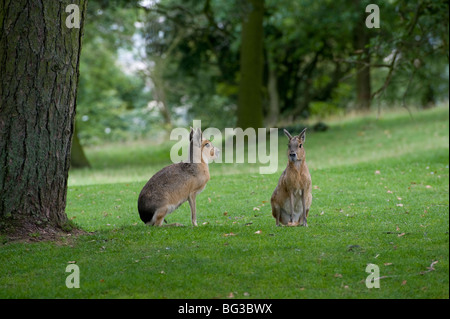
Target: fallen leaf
pixel 428 186
pixel 255 208
pixel 258 232
pixel 230 295
pixel 72 262
pixel 399 205
pixel 337 275
pixel 229 234
pixel 377 172
pixel 432 265
pixel 404 282
pixel 387 264
pixel 400 235
pixel 389 192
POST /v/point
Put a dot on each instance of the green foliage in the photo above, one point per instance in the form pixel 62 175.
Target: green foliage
pixel 324 109
pixel 416 31
pixel 192 51
pixel 112 103
pixel 109 101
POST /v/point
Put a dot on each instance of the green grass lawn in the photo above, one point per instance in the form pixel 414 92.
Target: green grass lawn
pixel 380 196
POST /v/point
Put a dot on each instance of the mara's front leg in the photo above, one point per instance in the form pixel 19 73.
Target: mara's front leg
pixel 291 220
pixel 304 213
pixel 191 200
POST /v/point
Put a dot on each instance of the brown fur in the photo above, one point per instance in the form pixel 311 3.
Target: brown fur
pixel 176 183
pixel 292 197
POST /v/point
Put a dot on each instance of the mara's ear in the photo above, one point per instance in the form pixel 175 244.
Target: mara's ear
pixel 195 144
pixel 196 137
pixel 301 136
pixel 287 134
pixel 200 133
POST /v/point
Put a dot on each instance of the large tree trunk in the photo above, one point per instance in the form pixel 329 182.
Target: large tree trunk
pixel 39 69
pixel 249 112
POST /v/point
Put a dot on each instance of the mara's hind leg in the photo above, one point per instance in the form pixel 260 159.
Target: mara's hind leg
pixel 275 210
pixel 307 206
pixel 158 217
pixel 276 214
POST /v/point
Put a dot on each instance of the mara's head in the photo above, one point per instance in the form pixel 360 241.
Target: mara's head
pixel 296 150
pixel 200 146
pixel 209 152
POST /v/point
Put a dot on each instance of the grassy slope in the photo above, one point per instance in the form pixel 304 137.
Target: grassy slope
pixel 380 196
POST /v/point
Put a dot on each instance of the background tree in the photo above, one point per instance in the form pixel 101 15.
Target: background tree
pixel 38 89
pixel 412 51
pixel 361 43
pixel 314 62
pixel 249 111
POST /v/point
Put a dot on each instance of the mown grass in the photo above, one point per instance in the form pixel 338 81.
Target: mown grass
pixel 380 196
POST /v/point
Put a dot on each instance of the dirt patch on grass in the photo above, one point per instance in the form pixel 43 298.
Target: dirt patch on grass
pixel 31 233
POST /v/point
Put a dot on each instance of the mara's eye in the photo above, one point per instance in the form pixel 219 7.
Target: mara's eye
pixel 299 145
pixel 207 144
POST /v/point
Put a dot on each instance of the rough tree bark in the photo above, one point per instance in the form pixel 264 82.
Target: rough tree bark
pixel 39 69
pixel 249 111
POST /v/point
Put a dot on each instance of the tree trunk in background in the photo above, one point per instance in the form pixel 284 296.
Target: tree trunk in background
pixel 157 77
pixel 39 69
pixel 274 101
pixel 77 157
pixel 250 110
pixel 361 41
